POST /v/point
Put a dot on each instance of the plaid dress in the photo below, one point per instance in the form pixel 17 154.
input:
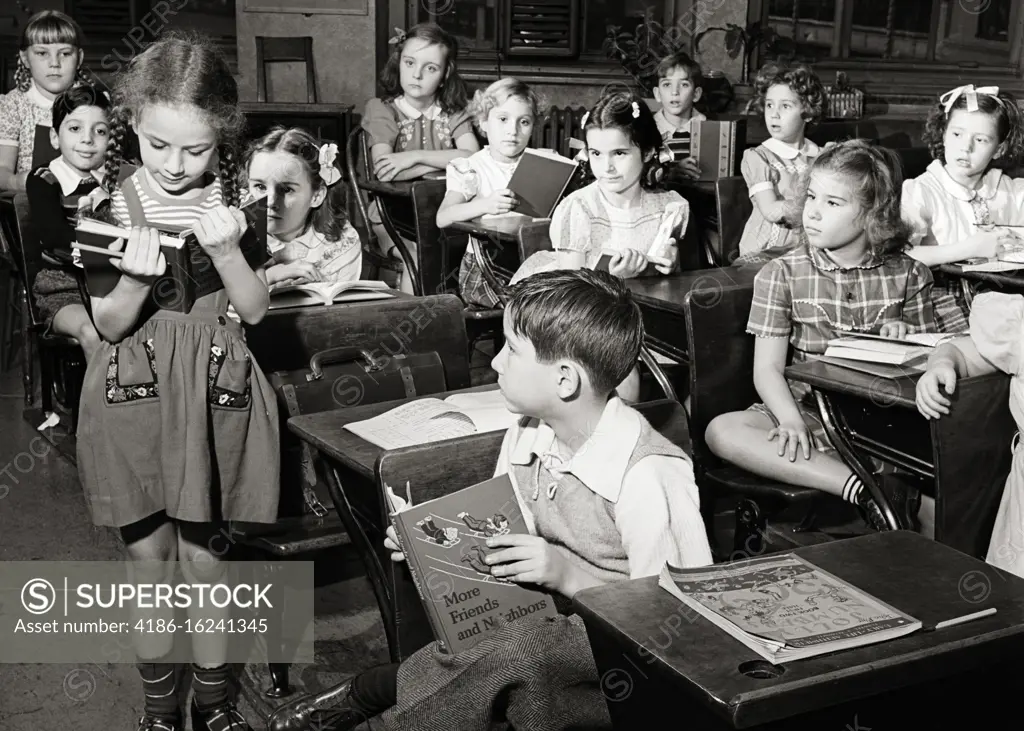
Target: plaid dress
pixel 807 297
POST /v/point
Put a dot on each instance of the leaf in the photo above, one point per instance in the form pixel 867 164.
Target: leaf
pixel 734 41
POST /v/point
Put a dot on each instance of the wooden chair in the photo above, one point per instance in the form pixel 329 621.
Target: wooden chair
pixel 284 50
pixel 721 381
pixel 434 470
pixel 734 208
pixel 59 356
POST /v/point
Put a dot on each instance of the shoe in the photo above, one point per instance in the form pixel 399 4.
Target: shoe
pixel 870 511
pixel 330 710
pixel 904 499
pixel 222 718
pixel 152 723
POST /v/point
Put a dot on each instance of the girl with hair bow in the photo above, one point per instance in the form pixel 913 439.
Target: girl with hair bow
pixel 960 207
pixel 309 236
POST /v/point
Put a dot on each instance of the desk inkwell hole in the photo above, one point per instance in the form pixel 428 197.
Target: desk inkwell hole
pixel 761 670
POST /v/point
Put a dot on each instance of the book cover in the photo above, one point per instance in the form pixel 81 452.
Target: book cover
pixel 326 293
pixel 444 545
pixel 540 181
pixel 786 608
pixel 716 144
pixel 910 369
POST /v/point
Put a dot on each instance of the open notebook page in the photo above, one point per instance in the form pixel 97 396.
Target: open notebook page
pixel 429 420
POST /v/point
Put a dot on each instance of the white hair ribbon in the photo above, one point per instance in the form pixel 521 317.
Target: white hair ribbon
pixel 971 93
pixel 636 110
pixel 328 172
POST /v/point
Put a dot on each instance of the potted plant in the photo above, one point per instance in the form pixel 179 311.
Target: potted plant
pixel 639 52
pixel 741 43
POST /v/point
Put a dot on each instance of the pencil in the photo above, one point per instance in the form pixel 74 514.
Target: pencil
pixel 965 618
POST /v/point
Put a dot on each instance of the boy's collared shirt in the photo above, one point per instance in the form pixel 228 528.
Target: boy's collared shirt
pixel 656 503
pixel 669 130
pixel 69 178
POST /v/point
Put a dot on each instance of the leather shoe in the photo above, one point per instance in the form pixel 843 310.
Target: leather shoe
pixel 903 498
pixel 331 710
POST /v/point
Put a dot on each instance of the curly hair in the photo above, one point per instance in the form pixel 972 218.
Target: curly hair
pixel 625 111
pixel 876 176
pixel 453 94
pixel 497 94
pixel 180 70
pixel 801 79
pixel 328 218
pixel 45 27
pixel 79 95
pixel 1009 124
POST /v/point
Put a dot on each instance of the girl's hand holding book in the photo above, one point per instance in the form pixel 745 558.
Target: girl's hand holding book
pixel 500 201
pixel 672 254
pixel 142 261
pixel 940 376
pixel 988 242
pixel 896 330
pixel 627 264
pixel 219 231
pixel 391 543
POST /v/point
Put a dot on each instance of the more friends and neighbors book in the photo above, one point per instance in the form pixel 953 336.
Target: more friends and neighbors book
pixel 444 542
pixel 786 608
pixel 190 272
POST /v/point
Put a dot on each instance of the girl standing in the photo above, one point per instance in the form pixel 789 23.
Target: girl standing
pixel 179 427
pixel 309 236
pixel 421 123
pixel 505 112
pixel 956 207
pixel 791 100
pixel 48 62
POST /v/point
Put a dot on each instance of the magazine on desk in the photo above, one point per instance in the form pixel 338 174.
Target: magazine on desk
pixel 785 608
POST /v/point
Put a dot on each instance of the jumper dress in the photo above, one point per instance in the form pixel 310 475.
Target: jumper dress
pixel 178 417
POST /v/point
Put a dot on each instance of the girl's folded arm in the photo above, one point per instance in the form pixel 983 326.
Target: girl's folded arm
pixel 771 206
pixel 967 361
pixel 455 207
pixel 770 355
pixel 9 180
pixel 116 314
pixel 947 254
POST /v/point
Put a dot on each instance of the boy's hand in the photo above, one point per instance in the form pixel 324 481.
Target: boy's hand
pixel 142 260
pixel 219 231
pixel 897 330
pixel 792 437
pixel 930 401
pixel 528 559
pixel 673 259
pixel 391 543
pixel 500 201
pixel 627 264
pixel 388 166
pixel 689 168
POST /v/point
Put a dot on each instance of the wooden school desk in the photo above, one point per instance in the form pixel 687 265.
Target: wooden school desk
pixel 326 122
pixel 1011 281
pixel 663 666
pixel 966 453
pixel 504 229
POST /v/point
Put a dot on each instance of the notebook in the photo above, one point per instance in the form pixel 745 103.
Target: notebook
pixel 540 181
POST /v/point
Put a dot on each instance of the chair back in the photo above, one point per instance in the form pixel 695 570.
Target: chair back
pixel 914 160
pixel 721 357
pixel 533 237
pixel 734 207
pixel 284 50
pixel 438 469
pixel 439 253
pixel 26 251
pixel 356 169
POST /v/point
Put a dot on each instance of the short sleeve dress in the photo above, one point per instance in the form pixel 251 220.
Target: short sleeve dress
pixel 177 417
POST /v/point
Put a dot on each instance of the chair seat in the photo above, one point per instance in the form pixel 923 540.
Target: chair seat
pixel 736 481
pixel 58 341
pixel 294 536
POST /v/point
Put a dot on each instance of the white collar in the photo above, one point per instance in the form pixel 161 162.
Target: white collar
pixel 788 152
pixel 68 177
pixel 695 116
pixel 37 97
pixel 600 463
pixel 432 112
pixel 310 239
pixel 987 190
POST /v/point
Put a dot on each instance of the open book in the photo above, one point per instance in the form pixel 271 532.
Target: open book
pixel 433 420
pixel 444 542
pixel 325 293
pixel 786 608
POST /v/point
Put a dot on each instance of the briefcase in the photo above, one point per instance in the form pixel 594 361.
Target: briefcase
pixel 340 378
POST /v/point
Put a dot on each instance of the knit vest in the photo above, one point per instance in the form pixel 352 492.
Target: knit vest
pixel 575 519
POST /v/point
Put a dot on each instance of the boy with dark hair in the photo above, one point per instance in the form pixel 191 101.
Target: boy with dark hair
pixel 678 89
pixel 605 498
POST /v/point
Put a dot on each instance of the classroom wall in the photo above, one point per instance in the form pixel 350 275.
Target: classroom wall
pixel 343 48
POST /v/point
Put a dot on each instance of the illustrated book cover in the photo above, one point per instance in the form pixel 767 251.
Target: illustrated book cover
pixel 444 542
pixel 785 608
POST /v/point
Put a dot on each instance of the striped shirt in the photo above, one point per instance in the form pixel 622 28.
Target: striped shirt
pixel 161 209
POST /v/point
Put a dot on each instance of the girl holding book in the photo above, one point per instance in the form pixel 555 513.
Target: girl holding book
pixel 955 207
pixel 309 236
pixel 179 427
pixel 505 113
pixel 849 275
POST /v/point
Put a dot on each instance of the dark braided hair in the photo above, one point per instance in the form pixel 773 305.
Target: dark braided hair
pixel 181 69
pixel 43 28
pixel 616 111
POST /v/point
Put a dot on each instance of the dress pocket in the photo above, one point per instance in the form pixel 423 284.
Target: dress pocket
pixel 230 386
pixel 131 373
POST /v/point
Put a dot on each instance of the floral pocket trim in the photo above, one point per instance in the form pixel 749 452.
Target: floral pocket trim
pixel 224 397
pixel 118 394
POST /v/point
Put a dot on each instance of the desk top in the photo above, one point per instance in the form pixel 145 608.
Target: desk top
pixel 927 580
pixel 667 293
pixel 1010 280
pixel 883 391
pixel 325 431
pixel 501 229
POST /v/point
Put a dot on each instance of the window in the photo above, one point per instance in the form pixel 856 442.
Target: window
pixel 976 31
pixel 534 28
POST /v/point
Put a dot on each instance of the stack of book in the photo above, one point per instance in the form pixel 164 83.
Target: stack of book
pixel 887 357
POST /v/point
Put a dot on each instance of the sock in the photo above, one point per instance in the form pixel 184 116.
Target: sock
pixel 160 684
pixel 852 489
pixel 375 690
pixel 210 686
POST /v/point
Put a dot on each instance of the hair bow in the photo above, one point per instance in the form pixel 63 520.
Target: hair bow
pixel 665 156
pixel 328 172
pixel 583 120
pixel 636 110
pixel 398 38
pixel 971 93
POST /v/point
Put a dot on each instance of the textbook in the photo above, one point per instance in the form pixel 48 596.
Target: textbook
pixel 717 147
pixel 326 293
pixel 539 182
pixel 876 349
pixel 433 420
pixel 785 608
pixel 190 272
pixel 444 545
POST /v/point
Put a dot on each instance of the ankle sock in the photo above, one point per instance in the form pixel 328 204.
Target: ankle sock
pixel 375 690
pixel 852 489
pixel 160 684
pixel 210 686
